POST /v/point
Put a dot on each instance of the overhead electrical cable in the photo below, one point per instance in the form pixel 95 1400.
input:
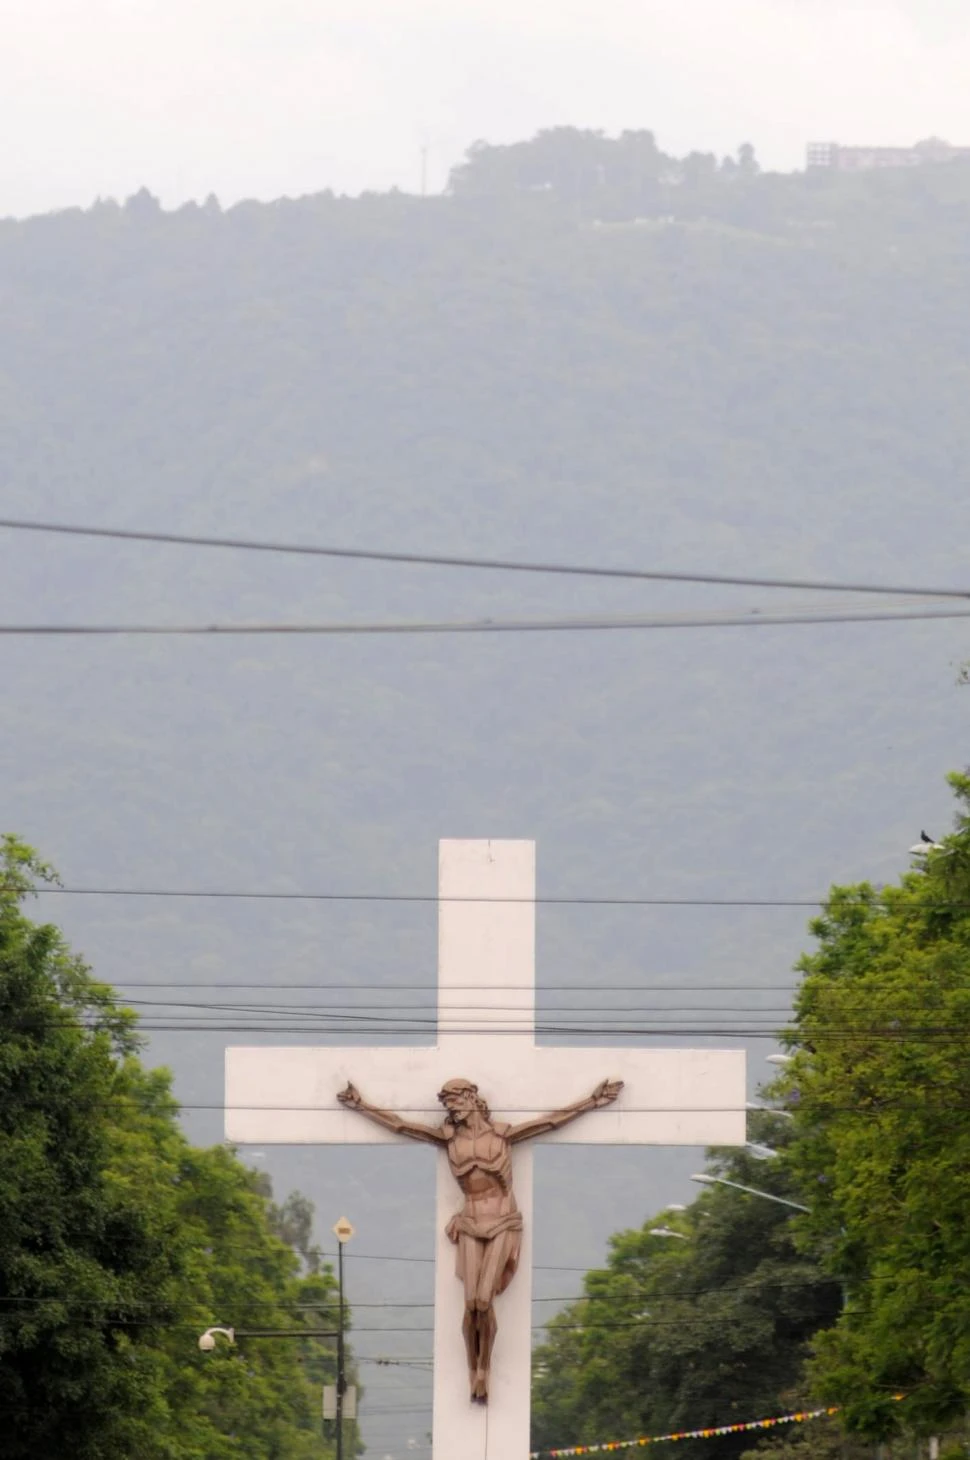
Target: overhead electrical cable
pixel 347 628
pixel 296 1306
pixel 265 988
pixel 874 1110
pixel 475 563
pixel 262 895
pixel 408 1013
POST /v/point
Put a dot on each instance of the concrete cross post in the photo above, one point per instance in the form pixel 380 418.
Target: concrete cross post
pixel 486 1032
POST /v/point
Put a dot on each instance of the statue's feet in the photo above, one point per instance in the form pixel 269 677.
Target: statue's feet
pixel 479 1387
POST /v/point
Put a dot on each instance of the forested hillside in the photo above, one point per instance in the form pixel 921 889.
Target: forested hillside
pixel 672 364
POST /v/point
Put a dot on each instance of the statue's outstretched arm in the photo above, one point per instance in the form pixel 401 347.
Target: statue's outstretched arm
pixel 352 1098
pixel 604 1094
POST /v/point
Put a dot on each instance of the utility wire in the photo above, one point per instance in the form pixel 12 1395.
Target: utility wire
pixel 683 1027
pixel 889 1029
pixel 423 1014
pixel 876 1109
pixel 430 989
pixel 626 1295
pixel 504 565
pixel 343 628
pixel 681 1322
pixel 298 1308
pixel 258 894
pixel 411 1012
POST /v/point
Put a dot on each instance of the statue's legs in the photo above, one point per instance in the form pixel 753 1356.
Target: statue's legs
pixel 473 1253
pixel 487 1329
pixel 479 1329
pixel 486 1269
pixel 469 1329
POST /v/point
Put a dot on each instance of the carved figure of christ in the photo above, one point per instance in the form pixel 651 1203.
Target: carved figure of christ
pixel 487 1231
pixel 486 992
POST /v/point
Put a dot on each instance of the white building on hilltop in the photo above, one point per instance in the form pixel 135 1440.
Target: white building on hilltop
pixel 833 156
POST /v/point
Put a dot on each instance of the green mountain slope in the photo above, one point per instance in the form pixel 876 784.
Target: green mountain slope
pixel 773 382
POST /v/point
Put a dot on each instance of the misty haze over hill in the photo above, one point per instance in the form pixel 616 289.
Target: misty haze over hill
pixel 674 365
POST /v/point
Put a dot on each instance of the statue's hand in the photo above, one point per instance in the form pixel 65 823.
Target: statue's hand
pixel 351 1097
pixel 606 1092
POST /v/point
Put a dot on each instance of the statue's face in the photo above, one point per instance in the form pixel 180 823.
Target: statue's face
pixel 459 1102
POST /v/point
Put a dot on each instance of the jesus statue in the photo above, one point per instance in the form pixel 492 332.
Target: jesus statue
pixel 488 1230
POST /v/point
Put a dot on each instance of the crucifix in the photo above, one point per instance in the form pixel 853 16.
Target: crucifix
pixel 485 1055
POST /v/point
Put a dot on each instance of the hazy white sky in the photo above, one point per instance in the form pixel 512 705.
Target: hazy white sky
pixel 258 98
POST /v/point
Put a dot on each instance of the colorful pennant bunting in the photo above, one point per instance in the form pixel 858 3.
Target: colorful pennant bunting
pixel 709 1433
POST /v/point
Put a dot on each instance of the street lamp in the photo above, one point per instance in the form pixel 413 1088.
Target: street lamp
pixel 343 1231
pixel 779 1059
pixel 770 1110
pixel 709 1180
pixel 207 1340
pixel 760 1152
pixel 667 1232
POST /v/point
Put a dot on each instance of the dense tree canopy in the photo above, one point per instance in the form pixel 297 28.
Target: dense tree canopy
pixel 878 1086
pixel 120 1242
pixel 858 1300
pixel 678 1334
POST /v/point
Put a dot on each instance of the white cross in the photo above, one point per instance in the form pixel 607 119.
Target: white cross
pixel 486 958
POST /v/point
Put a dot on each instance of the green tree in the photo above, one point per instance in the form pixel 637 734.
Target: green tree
pixel 821 1439
pixel 680 1334
pixel 878 1085
pixel 120 1242
pixel 84 1252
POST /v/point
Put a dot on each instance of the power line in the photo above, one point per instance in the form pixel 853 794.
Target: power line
pixel 889 1029
pixel 875 1110
pixel 259 894
pixel 169 1317
pixel 683 1321
pixel 683 1027
pixel 412 1012
pixel 504 565
pixel 431 989
pixel 299 1308
pixel 344 628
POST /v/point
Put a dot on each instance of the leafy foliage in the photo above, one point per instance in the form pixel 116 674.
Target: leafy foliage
pixel 878 1085
pixel 681 1334
pixel 821 1439
pixel 120 1242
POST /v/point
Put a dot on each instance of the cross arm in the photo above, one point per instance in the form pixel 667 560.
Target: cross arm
pixel 351 1097
pixel 604 1094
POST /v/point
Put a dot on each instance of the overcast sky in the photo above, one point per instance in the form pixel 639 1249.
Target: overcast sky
pixel 260 98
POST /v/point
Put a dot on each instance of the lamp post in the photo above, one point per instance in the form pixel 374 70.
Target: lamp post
pixel 709 1180
pixel 770 1110
pixel 667 1232
pixel 343 1231
pixel 207 1340
pixel 760 1152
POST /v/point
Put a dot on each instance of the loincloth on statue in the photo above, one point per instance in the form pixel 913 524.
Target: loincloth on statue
pixel 487 1229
